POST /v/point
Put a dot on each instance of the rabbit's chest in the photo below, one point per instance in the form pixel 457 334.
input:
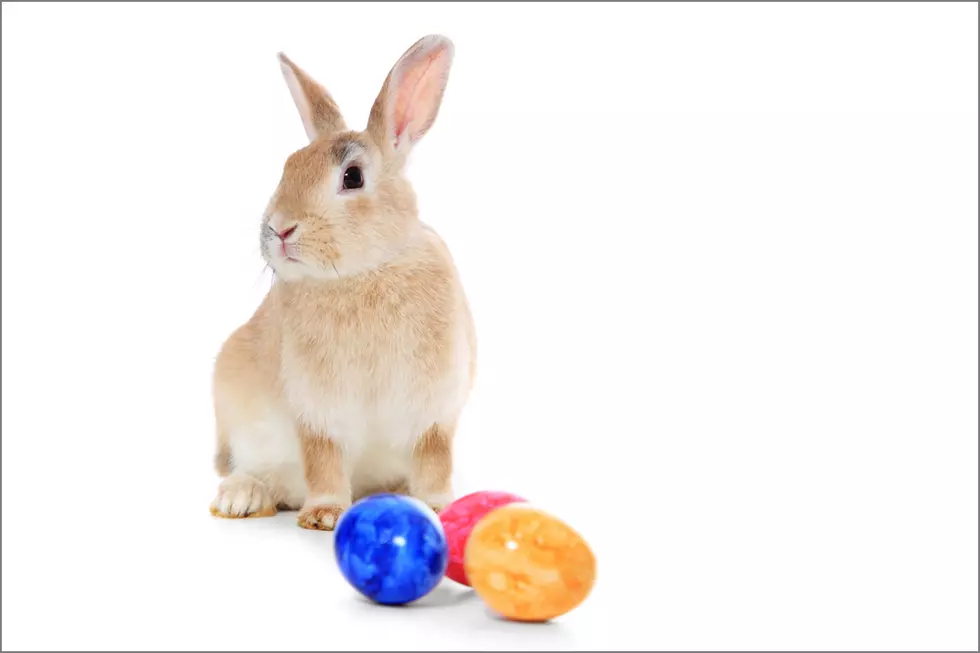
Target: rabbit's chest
pixel 348 359
pixel 363 370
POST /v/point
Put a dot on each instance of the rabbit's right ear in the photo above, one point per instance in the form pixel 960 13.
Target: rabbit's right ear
pixel 319 112
pixel 409 100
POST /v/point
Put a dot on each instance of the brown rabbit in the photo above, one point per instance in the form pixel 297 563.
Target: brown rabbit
pixel 350 377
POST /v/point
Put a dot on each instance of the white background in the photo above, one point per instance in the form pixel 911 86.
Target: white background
pixel 723 263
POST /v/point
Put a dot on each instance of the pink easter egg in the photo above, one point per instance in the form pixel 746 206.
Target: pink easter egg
pixel 459 518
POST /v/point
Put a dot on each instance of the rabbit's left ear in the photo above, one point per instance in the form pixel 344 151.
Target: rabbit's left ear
pixel 410 98
pixel 319 112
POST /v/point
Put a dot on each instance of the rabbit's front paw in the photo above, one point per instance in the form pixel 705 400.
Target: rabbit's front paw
pixel 242 496
pixel 320 516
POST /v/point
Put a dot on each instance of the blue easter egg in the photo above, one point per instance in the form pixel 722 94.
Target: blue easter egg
pixel 391 548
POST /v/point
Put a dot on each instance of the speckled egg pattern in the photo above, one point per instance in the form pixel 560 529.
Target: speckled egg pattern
pixel 528 565
pixel 458 520
pixel 391 548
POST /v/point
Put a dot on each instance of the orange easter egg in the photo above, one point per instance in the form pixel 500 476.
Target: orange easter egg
pixel 528 565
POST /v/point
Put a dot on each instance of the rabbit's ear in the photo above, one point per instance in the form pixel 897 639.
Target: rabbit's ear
pixel 410 98
pixel 319 112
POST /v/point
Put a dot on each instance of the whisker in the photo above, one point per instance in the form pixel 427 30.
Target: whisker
pixel 265 268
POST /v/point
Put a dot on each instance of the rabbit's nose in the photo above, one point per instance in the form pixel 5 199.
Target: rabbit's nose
pixel 286 233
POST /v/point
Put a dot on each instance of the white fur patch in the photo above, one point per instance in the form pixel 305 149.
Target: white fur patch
pixel 266 444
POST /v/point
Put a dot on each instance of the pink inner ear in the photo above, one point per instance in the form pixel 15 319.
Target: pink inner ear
pixel 419 93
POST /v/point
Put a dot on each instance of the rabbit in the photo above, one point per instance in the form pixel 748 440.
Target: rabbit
pixel 351 376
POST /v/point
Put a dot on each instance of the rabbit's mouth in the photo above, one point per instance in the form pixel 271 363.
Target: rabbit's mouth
pixel 283 255
pixel 288 251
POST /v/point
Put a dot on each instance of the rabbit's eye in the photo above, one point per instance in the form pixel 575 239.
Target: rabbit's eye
pixel 353 178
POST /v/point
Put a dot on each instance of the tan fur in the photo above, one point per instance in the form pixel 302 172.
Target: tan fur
pixel 222 457
pixel 323 465
pixel 432 465
pixel 326 476
pixel 319 109
pixel 351 375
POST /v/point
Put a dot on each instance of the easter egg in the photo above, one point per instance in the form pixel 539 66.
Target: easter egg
pixel 528 565
pixel 391 548
pixel 459 518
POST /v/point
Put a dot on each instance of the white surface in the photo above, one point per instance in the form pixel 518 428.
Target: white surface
pixel 723 261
